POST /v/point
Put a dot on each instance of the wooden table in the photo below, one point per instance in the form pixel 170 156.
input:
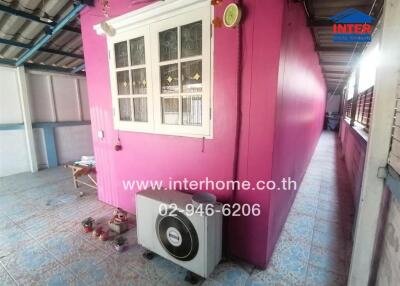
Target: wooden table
pixel 83 171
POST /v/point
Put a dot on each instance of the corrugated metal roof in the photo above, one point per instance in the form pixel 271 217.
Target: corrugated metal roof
pixel 25 31
pixel 337 59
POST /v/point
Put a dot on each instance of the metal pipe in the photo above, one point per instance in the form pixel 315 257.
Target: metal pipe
pixel 78 68
pixel 47 50
pixel 52 31
pixel 51 68
pixel 28 16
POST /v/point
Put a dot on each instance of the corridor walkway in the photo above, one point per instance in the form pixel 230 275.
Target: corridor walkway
pixel 315 245
pixel 41 242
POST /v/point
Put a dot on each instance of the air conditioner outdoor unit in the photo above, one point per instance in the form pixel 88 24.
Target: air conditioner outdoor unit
pixel 192 241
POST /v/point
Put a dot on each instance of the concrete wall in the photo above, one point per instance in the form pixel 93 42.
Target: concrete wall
pixel 54 98
pixel 13 149
pixel 60 98
pixel 389 263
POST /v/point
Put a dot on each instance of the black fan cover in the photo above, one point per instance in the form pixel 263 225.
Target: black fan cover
pixel 177 235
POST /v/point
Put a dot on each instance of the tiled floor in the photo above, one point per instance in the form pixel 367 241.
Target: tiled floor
pixel 41 242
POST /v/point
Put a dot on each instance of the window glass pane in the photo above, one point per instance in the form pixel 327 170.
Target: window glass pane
pixel 191 110
pixel 191 76
pixel 121 54
pixel 191 40
pixel 139 83
pixel 125 110
pixel 123 82
pixel 168 45
pixel 137 51
pixel 169 78
pixel 170 110
pixel 140 109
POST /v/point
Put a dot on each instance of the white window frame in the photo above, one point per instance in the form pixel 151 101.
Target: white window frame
pixel 147 22
pixel 130 125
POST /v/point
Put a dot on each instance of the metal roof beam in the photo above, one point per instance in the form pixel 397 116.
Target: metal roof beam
pixel 334 76
pixel 336 63
pixel 319 23
pixel 7 62
pixel 336 71
pixel 78 68
pixel 336 80
pixel 51 68
pixel 50 33
pixel 41 67
pixel 47 50
pixel 337 49
pixel 31 17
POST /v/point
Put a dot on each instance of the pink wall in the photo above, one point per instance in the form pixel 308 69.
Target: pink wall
pixel 261 49
pixel 147 156
pixel 300 110
pixel 354 147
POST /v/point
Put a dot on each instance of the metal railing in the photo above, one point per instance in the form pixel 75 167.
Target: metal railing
pixel 364 107
pixel 348 107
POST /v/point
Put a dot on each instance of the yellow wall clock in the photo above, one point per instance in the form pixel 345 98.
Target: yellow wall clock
pixel 232 15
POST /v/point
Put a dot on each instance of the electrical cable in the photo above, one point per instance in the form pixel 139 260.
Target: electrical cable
pixel 238 103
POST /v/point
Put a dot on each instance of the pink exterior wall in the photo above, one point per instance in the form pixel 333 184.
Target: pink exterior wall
pixel 148 156
pixel 354 147
pixel 300 111
pixel 154 157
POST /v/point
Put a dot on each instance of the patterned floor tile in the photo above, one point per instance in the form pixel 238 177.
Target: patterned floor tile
pixel 328 227
pixel 295 218
pixel 305 208
pixel 291 262
pixel 26 265
pixel 328 260
pixel 39 226
pixel 302 231
pixel 5 278
pixel 177 278
pixel 57 276
pixel 12 238
pixel 210 282
pixel 270 276
pixel 73 252
pixel 229 273
pixel 317 277
pixel 328 241
pixel 331 216
pixel 5 223
pixel 111 272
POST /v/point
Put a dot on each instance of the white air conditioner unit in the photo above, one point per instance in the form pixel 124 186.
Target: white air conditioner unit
pixel 191 241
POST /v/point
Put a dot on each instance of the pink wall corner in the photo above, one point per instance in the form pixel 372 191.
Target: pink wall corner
pixel 300 112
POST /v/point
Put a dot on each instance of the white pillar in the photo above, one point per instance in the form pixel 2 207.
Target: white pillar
pixel 378 146
pixel 26 115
